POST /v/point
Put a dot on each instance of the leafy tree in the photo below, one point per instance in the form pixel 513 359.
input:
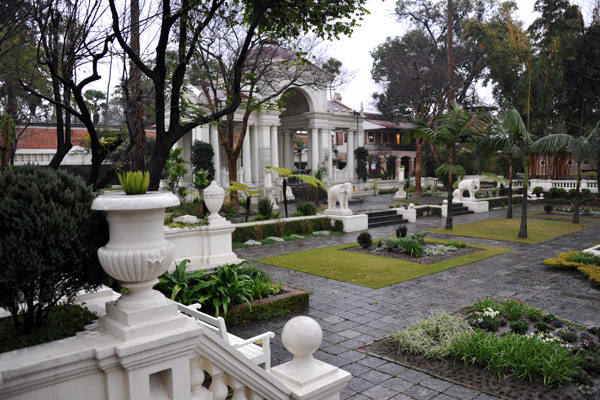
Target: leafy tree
pixel 413 69
pixel 581 148
pixel 49 238
pixel 185 26
pixel 457 128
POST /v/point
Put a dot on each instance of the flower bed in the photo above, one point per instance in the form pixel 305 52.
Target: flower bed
pixel 531 353
pixel 585 263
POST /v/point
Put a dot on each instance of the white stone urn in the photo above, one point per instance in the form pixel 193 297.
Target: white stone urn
pixel 213 198
pixel 137 252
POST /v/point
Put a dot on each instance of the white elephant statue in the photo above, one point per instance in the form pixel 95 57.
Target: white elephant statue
pixel 340 193
pixel 471 185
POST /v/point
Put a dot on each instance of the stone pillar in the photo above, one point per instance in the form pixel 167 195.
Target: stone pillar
pixel 186 143
pixel 274 145
pixel 247 158
pixel 306 377
pixel 328 153
pixel 254 155
pixel 350 163
pixel 289 150
pixel 321 147
pixel 214 141
pixel 264 150
pixel 280 149
pixel 313 143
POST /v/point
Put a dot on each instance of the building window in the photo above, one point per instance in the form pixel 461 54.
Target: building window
pixel 397 138
pixel 370 137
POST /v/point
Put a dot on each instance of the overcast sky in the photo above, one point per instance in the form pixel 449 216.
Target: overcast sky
pixel 354 51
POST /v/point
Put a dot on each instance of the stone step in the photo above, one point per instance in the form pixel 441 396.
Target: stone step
pixel 383 218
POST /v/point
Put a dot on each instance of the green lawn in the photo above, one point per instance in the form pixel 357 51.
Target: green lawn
pixel 564 217
pixel 370 270
pixel 538 230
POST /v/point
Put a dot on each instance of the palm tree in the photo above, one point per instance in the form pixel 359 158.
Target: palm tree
pixel 501 140
pixel 512 123
pixel 286 174
pixel 457 128
pixel 580 147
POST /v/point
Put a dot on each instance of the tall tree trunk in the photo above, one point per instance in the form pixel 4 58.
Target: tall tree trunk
pixel 63 131
pixel 577 196
pixel 450 53
pixel 450 182
pixel 509 211
pixel 136 108
pixel 523 227
pixel 420 144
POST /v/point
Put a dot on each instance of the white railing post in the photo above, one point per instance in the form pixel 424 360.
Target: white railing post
pixel 306 377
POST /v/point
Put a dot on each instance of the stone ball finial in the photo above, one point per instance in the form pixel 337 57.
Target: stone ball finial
pixel 411 205
pixel 302 336
pixel 445 202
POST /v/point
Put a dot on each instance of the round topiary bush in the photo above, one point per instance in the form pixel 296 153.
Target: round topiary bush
pixel 538 190
pixel 365 240
pixel 548 208
pixel 49 238
pixel 307 208
pixel 401 231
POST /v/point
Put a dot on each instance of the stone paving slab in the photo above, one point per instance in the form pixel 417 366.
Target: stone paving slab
pixel 352 316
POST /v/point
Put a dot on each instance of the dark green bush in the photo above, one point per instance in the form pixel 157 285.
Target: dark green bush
pixel 537 190
pixel 401 231
pixel 548 208
pixel 361 155
pixel 267 310
pixel 338 226
pixel 365 240
pixel 299 227
pixel 265 207
pixel 443 170
pixel 307 208
pixel 518 327
pixel 542 326
pixel 572 193
pixel 63 321
pixel 49 238
pixel 202 156
pixel 557 193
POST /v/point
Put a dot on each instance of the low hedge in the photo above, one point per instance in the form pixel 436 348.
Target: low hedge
pixel 429 211
pixel 283 228
pixel 291 301
pixel 562 261
pixel 504 201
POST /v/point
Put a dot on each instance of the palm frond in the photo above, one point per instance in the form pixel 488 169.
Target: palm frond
pixel 284 172
pixel 311 180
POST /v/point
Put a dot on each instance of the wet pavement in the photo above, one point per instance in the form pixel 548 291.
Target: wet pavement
pixel 352 316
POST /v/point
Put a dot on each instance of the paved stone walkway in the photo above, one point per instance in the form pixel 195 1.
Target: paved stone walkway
pixel 352 316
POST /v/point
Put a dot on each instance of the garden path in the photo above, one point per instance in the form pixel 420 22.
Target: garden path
pixel 352 316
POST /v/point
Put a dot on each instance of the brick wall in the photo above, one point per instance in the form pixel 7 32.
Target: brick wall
pixel 44 137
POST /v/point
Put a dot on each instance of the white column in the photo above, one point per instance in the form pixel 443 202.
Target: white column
pixel 329 152
pixel 281 149
pixel 274 145
pixel 350 155
pixel 314 149
pixel 289 150
pixel 255 156
pixel 321 147
pixel 247 157
pixel 214 141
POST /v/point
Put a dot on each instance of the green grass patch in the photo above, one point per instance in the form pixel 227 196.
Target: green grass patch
pixel 504 229
pixel 370 270
pixel 563 217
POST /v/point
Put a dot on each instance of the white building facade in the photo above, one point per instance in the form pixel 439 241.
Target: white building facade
pixel 270 138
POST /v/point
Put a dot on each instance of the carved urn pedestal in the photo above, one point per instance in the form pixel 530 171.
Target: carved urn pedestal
pixel 136 254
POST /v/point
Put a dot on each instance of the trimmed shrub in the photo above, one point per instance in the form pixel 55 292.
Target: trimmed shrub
pixel 365 240
pixel 307 208
pixel 49 238
pixel 548 208
pixel 202 155
pixel 572 193
pixel 338 226
pixel 557 193
pixel 537 190
pixel 518 327
pixel 401 231
pixel 565 260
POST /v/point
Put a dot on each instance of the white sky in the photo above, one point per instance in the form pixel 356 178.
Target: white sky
pixel 354 51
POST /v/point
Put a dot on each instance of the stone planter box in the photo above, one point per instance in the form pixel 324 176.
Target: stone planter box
pixel 290 300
